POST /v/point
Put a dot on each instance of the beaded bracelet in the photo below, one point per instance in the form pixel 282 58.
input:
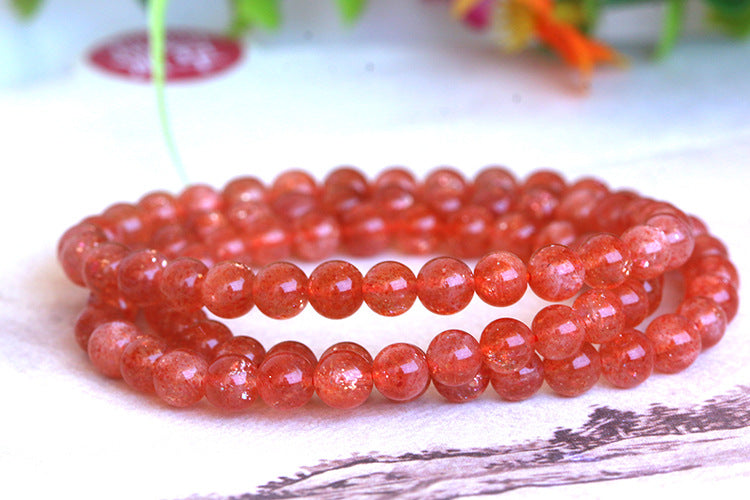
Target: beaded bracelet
pixel 169 258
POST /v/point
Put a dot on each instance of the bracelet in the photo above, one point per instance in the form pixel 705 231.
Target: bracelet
pixel 155 266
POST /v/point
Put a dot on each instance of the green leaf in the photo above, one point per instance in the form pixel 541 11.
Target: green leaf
pixel 249 13
pixel 351 10
pixel 673 20
pixel 26 8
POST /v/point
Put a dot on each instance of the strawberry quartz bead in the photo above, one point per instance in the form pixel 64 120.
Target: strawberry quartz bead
pixel 348 177
pixel 316 236
pixel 389 288
pixel 558 232
pixel 205 336
pixel 396 177
pixel 107 343
pixel 714 265
pixel 602 314
pixel 400 372
pixel 199 198
pixel 363 231
pixel 138 360
pixel 335 289
pixel 716 289
pixel 555 273
pixel 559 332
pixel 232 383
pixel 159 208
pixel 269 242
pixel 606 260
pixel 74 245
pixel 506 344
pixel 634 300
pixel 170 324
pixel 676 341
pixel 538 203
pixel 520 384
pixel 628 359
pixel 444 190
pixel 707 317
pixel 513 232
pixel 292 206
pixel 706 244
pixel 348 346
pixel 343 379
pixel 465 392
pixel 445 285
pixel 680 239
pixel 90 318
pixel 242 190
pixel 139 275
pixel 280 290
pixel 500 279
pixel 100 269
pixel 181 283
pixel 494 198
pixel 575 375
pixel 546 179
pixel 654 288
pixel 468 231
pixel 205 224
pixel 171 240
pixel 286 379
pixel 297 181
pixel 228 289
pixel 496 176
pixel 242 345
pixel 417 230
pixel 180 378
pixel 127 223
pixel 248 216
pixel 649 251
pixel 454 358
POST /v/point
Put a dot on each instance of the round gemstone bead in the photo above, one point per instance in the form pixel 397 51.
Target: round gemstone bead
pixel 500 279
pixel 520 384
pixel 467 231
pixel 107 343
pixel 400 372
pixel 680 239
pixel 100 269
pixel 444 190
pixel 558 232
pixel 634 300
pixel 180 378
pixel 73 248
pixel 297 181
pixel 602 313
pixel 181 283
pixel 348 177
pixel 232 382
pixel 715 288
pixel 242 345
pixel 90 318
pixel 138 360
pixel 538 203
pixel 676 341
pixel 546 179
pixel 335 289
pixel 343 379
pixel 709 319
pixel 606 260
pixel 242 190
pixel 291 206
pixel 654 288
pixel 389 288
pixel 559 332
pixel 715 265
pixel 494 198
pixel 555 273
pixel 628 359
pixel 127 224
pixel 286 380
pixel 316 236
pixel 445 285
pixel 398 177
pixel 228 289
pixel 495 175
pixel 575 375
pixel 293 347
pixel 280 290
pixel 706 244
pixel 139 275
pixel 364 231
pixel 417 230
pixel 465 392
pixel 271 241
pixel 199 198
pixel 454 358
pixel 513 232
pixel 506 344
pixel 348 346
pixel 205 336
pixel 649 251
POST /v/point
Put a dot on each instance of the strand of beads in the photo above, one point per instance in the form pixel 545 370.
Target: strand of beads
pixel 172 257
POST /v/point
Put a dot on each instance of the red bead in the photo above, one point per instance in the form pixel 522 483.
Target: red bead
pixel 127 224
pixel 654 288
pixel 602 313
pixel 243 190
pixel 348 177
pixel 555 273
pixel 199 198
pixel 496 176
pixel 205 336
pixel 181 283
pixel 316 236
pixel 444 190
pixel 706 244
pixel 348 346
pixel 340 200
pixel 513 232
pixel 634 302
pixel 242 345
pixel 500 279
pixel 170 323
pixel 74 245
pixel 138 360
pixel 575 375
pixel 343 379
pixel 389 288
pixel 292 206
pixel 676 341
pixel 606 260
pixel 139 275
pixel 297 181
pixel 293 347
pixel 507 345
pixel 171 240
pixel 538 204
pixel 393 201
pixel 90 318
pixel 248 216
pixel 546 179
pixel 100 269
pixel 400 372
pixel 559 332
pixel 205 224
pixel 520 384
pixel 557 232
pixel 628 359
pixel 465 392
pixel 454 358
pixel 398 177
pixel 417 230
pixel 445 285
pixel 494 198
pixel 468 231
pixel 707 317
pixel 232 383
pixel 649 251
pixel 280 290
pixel 107 343
pixel 335 289
pixel 716 289
pixel 680 239
pixel 269 242
pixel 697 226
pixel 609 213
pixel 180 378
pixel 228 289
pixel 715 265
pixel 364 231
pixel 286 380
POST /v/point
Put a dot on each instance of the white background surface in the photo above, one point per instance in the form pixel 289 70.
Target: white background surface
pixel 74 144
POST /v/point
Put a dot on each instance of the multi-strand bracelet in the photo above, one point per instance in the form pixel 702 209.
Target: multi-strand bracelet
pixel 154 267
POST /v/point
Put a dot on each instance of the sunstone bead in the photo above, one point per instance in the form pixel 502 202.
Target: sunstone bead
pixel 575 375
pixel 389 288
pixel 127 224
pixel 606 260
pixel 649 251
pixel 654 288
pixel 519 384
pixel 181 283
pixel 205 336
pixel 243 189
pixel 364 232
pixel 445 285
pixel 335 289
pixel 343 379
pixel 634 300
pixel 559 331
pixel 500 278
pixel 417 230
pixel 555 273
pixel 297 181
pixel 627 359
pixel 708 318
pixel 242 345
pixel 396 176
pixel 100 269
pixel 316 236
pixel 280 290
pixel 680 239
pixel 349 177
pixel 138 360
pixel 546 179
pixel 513 232
pixel 706 244
pixel 556 232
pixel 538 203
pixel 180 378
pixel 467 231
pixel 717 289
pixel 444 190
pixel 676 341
pixel 74 245
pixel 348 346
pixel 400 372
pixel 232 382
pixel 506 344
pixel 294 347
pixel 227 289
pixel 199 198
pixel 454 358
pixel 90 318
pixel 468 391
pixel 602 313
pixel 139 277
pixel 715 265
pixel 286 380
pixel 107 343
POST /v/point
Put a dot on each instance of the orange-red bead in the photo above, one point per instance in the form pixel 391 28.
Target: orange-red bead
pixel 107 343
pixel 181 283
pixel 559 331
pixel 286 380
pixel 519 384
pixel 445 285
pixel 241 345
pixel 707 317
pixel 400 372
pixel 343 379
pixel 676 341
pixel 389 288
pixel 232 382
pixel 280 290
pixel 465 392
pixel 628 359
pixel 575 375
pixel 602 314
pixel 606 260
pixel 139 276
pixel 454 358
pixel 506 344
pixel 555 273
pixel 335 289
pixel 500 279
pixel 180 378
pixel 228 289
pixel 138 360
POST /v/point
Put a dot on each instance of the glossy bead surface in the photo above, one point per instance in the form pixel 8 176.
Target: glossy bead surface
pixel 228 289
pixel 634 300
pixel 181 283
pixel 606 260
pixel 465 392
pixel 709 319
pixel 180 377
pixel 513 232
pixel 676 342
pixel 280 290
pixel 500 278
pixel 558 232
pixel 506 344
pixel 297 181
pixel 199 198
pixel 364 232
pixel 654 289
pixel 107 343
pixel 575 375
pixel 444 190
pixel 343 379
pixel 316 236
pixel 400 372
pixel 417 230
pixel 627 359
pixel 73 248
pixel 649 251
pixel 335 289
pixel 396 176
pixel 138 360
pixel 555 273
pixel 445 285
pixel 242 345
pixel 559 331
pixel 602 313
pixel 715 288
pixel 100 269
pixel 467 231
pixel 243 189
pixel 348 346
pixel 291 206
pixel 139 276
pixel 294 347
pixel 680 239
pixel 127 224
pixel 90 318
pixel 715 265
pixel 389 288
pixel 519 384
pixel 707 244
pixel 454 358
pixel 286 380
pixel 232 382
pixel 205 336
